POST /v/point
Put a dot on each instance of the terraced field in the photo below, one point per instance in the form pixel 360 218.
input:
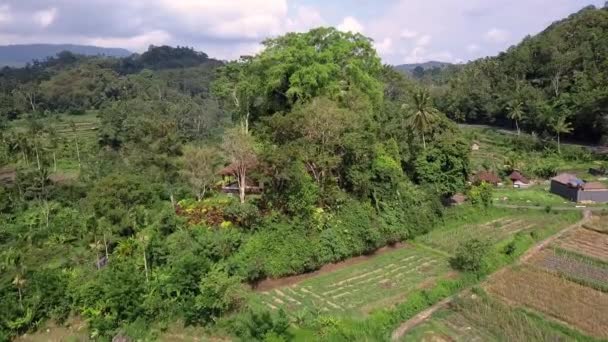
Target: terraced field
pixel 578 305
pixel 482 318
pixel 378 282
pixel 571 267
pixel 586 242
pixel 447 239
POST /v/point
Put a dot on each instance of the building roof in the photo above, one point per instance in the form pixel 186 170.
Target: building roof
pixel 231 169
pixel 568 179
pixel 487 176
pixel 595 186
pixel 458 198
pixel 517 176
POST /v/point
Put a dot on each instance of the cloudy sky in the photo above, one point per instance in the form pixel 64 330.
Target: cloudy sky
pixel 404 31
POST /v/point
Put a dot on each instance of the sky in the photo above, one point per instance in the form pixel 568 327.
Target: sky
pixel 404 31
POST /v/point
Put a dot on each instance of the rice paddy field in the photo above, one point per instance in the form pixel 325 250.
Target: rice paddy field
pixel 502 226
pixel 384 280
pixel 360 288
pixel 476 316
pixel 557 297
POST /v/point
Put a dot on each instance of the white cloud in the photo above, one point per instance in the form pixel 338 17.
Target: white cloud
pixel 423 40
pixel 496 35
pixel 45 17
pixel 408 34
pixel 305 18
pixel 252 19
pixel 135 43
pixel 350 24
pixel 472 48
pixel 385 46
pixel 5 14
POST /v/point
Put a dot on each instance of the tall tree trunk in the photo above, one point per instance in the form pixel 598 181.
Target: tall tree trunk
pixel 37 156
pixel 172 200
pixel 423 141
pixel 559 150
pixel 54 162
pixel 78 154
pixel 517 126
pixel 146 265
pixel 242 185
pixel 20 297
pixel 105 244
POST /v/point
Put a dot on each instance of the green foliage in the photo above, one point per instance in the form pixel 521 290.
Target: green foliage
pixel 470 256
pixel 481 195
pixel 255 325
pixel 219 294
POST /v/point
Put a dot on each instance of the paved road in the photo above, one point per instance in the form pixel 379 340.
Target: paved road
pixel 420 317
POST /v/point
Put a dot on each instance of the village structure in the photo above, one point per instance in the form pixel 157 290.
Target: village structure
pixel 575 189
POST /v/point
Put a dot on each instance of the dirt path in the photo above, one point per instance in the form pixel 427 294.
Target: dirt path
pixel 420 317
pixel 517 206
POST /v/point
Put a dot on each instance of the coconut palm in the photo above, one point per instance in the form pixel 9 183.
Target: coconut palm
pixel 515 113
pixel 561 126
pixel 421 114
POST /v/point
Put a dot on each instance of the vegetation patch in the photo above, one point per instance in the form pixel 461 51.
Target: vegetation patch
pixel 349 290
pixel 574 268
pixel 587 242
pixel 567 301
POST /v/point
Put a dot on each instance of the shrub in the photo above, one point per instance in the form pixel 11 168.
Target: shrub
pixel 481 195
pixel 470 256
pixel 220 293
pixel 244 214
pixel 262 325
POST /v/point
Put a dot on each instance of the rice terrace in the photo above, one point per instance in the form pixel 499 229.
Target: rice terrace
pixel 559 290
pixel 385 280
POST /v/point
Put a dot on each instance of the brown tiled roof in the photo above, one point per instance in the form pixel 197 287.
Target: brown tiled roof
pixel 232 168
pixel 487 176
pixel 595 186
pixel 517 176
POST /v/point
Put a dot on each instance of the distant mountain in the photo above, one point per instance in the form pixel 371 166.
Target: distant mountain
pixel 409 68
pixel 19 55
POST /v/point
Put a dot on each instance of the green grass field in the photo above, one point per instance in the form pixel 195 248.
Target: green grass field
pixel 356 289
pixel 537 195
pixel 499 226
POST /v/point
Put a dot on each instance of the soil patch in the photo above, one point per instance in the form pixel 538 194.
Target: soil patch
pixel 273 283
pixel 564 300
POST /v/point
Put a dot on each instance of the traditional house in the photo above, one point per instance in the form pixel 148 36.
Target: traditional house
pixel 519 181
pixel 487 177
pixel 231 185
pixel 575 189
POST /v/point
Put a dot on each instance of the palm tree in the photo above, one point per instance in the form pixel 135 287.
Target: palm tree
pixel 421 114
pixel 19 283
pixel 561 126
pixel 516 112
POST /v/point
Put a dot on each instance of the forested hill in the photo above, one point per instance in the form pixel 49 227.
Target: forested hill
pixel 409 68
pixel 76 83
pixel 19 55
pixel 554 81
